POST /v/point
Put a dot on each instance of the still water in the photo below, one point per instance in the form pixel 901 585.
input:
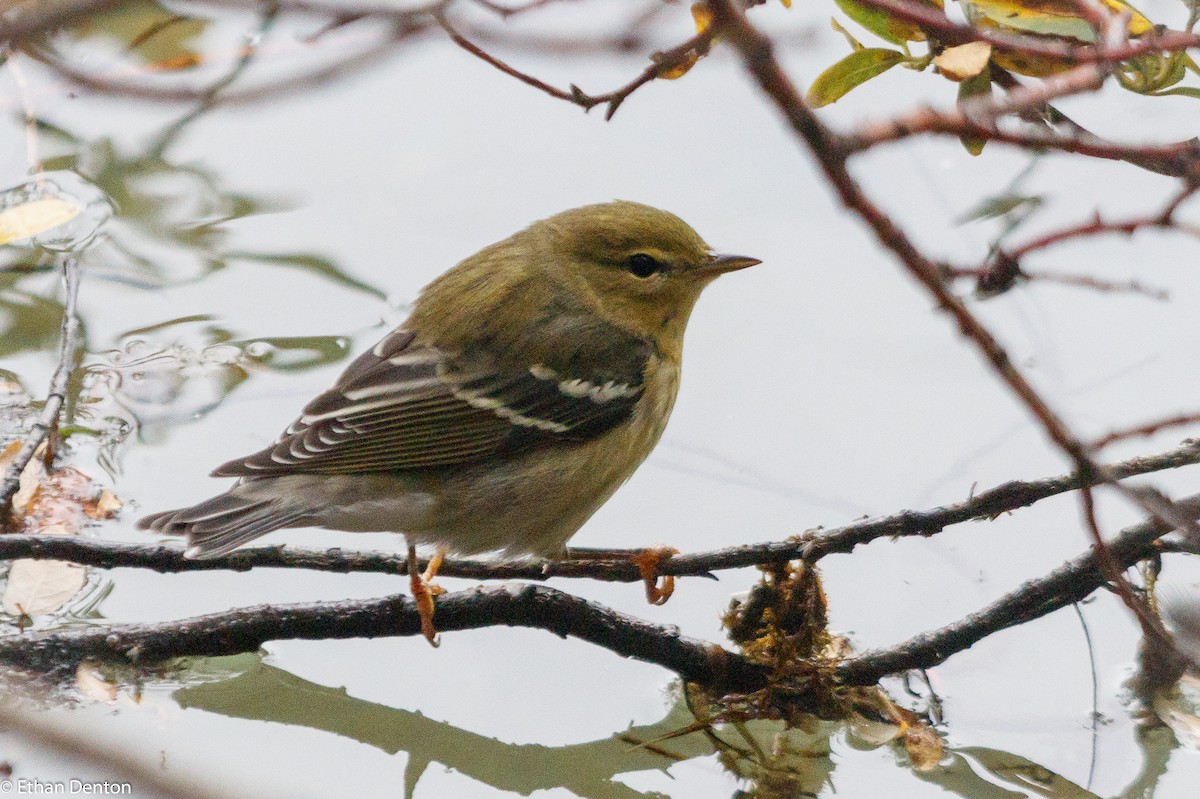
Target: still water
pixel 253 250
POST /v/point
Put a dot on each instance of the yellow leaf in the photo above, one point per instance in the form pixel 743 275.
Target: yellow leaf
pixel 1052 17
pixel 965 61
pixel 679 70
pixel 703 16
pixel 36 216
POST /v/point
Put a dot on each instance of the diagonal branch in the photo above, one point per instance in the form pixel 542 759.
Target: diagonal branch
pixel 832 155
pixel 47 424
pixel 1070 583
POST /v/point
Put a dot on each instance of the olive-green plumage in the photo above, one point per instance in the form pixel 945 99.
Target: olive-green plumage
pixel 528 383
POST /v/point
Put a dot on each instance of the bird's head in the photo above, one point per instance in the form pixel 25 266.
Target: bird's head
pixel 640 267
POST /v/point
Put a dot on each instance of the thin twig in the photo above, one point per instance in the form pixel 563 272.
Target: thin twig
pixel 1006 273
pixel 948 32
pixel 978 117
pixel 46 426
pixel 832 156
pixel 1097 226
pixel 1146 429
pixel 662 62
pixel 140 90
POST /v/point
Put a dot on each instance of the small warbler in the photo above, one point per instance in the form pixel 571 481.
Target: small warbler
pixel 528 384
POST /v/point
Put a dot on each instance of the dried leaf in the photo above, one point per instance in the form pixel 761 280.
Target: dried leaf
pixel 924 746
pixel 36 216
pixel 37 587
pixel 103 507
pixel 965 61
pixel 31 476
pixel 1180 710
pixel 90 683
pixel 853 70
pixel 55 503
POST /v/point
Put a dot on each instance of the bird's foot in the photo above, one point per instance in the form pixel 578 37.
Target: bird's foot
pixel 424 590
pixel 648 562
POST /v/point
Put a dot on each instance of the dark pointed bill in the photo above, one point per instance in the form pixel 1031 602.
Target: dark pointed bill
pixel 721 263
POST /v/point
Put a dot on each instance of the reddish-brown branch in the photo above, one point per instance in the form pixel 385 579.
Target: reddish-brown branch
pixel 832 156
pixel 369 55
pixel 949 32
pixel 662 62
pixel 989 285
pixel 1097 226
pixel 488 58
pixel 1151 626
pixel 1147 429
pixel 979 118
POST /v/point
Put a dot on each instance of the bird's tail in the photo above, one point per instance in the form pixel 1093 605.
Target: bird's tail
pixel 225 522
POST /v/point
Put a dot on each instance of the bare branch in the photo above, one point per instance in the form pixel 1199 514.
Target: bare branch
pixel 247 629
pixel 1066 585
pixel 810 546
pixel 46 427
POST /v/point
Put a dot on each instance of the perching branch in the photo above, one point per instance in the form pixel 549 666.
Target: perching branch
pixel 46 426
pixel 810 546
pixel 542 607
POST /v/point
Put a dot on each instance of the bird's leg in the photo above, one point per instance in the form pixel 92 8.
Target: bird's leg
pixel 423 589
pixel 646 560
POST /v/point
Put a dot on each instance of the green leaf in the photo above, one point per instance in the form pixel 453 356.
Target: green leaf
pixel 878 22
pixel 853 70
pixel 975 86
pixel 1003 205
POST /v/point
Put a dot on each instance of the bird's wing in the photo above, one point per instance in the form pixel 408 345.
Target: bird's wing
pixel 404 406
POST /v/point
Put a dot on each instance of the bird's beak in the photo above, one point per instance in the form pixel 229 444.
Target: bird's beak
pixel 719 264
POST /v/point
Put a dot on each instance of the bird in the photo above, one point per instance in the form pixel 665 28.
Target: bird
pixel 525 387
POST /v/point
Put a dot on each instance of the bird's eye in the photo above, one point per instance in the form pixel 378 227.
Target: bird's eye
pixel 642 265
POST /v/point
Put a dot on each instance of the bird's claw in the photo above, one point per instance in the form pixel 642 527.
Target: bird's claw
pixel 424 593
pixel 648 562
pixel 424 590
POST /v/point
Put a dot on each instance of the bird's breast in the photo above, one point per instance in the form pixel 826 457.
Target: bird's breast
pixel 535 502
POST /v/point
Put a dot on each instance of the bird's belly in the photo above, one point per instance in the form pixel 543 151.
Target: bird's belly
pixel 534 503
pixel 531 503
